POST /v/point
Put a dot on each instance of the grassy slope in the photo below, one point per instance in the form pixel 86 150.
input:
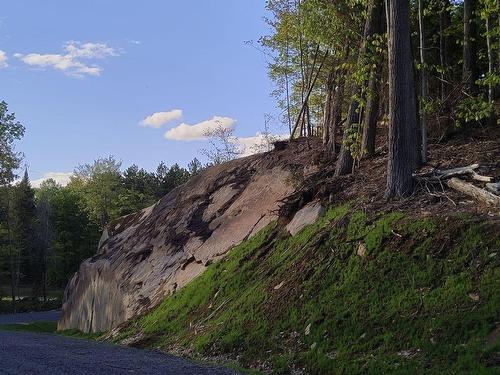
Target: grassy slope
pixel 424 299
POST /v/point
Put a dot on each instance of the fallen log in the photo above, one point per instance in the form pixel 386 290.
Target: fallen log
pixel 474 191
pixel 447 173
pixel 493 187
pixel 439 175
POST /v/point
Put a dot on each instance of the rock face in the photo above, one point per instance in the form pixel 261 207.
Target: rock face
pixel 147 255
pixel 305 216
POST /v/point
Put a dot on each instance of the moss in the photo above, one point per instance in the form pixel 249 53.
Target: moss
pixel 423 299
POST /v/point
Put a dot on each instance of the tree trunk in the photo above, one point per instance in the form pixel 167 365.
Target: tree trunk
pixel 444 44
pixel 402 109
pixel 327 112
pixel 345 161
pixel 470 71
pixel 370 118
pixel 336 116
pixel 371 114
pixel 490 57
pixel 424 85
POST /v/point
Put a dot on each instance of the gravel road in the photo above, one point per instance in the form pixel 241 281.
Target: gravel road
pixel 36 353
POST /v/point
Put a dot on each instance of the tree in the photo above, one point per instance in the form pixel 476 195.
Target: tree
pixel 139 190
pixel 100 185
pixel 73 235
pixel 170 178
pixel 25 260
pixel 470 68
pixel 402 107
pixel 424 83
pixel 10 131
pixel 195 167
pixel 351 142
pixel 224 146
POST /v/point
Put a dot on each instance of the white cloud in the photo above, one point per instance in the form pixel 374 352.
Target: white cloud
pixel 136 42
pixel 62 178
pixel 156 120
pixel 71 62
pixel 258 143
pixel 185 132
pixel 3 60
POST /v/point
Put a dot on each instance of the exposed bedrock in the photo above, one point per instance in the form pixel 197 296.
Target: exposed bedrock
pixel 145 256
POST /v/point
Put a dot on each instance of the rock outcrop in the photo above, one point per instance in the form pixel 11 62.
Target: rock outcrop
pixel 147 255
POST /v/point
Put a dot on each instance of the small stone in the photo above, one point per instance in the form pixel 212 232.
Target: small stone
pixel 308 329
pixel 361 250
pixel 474 296
pixel 279 285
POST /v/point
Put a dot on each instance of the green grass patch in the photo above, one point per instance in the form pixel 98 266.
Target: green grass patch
pixel 40 327
pixel 423 299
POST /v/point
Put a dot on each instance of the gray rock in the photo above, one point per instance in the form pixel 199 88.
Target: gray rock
pixel 143 257
pixel 305 216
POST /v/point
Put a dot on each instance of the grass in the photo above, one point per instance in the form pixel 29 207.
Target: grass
pixel 39 327
pixel 424 299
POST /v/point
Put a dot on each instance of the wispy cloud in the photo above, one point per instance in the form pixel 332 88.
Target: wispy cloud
pixel 62 178
pixel 74 60
pixel 3 60
pixel 157 119
pixel 185 132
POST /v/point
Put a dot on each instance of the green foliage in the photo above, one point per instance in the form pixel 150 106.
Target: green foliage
pixel 10 131
pixel 422 300
pixel 474 108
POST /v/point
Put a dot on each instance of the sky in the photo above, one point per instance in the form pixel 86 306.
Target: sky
pixel 139 80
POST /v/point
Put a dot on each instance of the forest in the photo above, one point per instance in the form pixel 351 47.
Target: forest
pixel 422 70
pixel 344 72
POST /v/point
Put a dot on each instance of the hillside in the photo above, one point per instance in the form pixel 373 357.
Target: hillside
pixel 407 286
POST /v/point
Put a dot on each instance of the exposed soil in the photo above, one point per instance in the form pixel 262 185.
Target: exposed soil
pixel 367 185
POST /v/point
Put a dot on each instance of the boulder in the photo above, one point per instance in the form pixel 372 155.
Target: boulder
pixel 305 216
pixel 144 257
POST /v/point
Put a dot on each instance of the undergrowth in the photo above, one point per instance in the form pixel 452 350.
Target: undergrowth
pixel 351 294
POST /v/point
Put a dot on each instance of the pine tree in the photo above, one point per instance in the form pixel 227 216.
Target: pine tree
pixel 26 263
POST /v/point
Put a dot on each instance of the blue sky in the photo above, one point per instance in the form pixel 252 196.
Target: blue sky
pixel 83 75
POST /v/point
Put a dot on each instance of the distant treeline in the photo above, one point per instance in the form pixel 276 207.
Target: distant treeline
pixel 46 232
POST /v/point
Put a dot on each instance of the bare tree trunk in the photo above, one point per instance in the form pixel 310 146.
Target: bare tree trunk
pixel 371 114
pixel 424 84
pixel 289 116
pixel 303 109
pixel 402 109
pixel 444 43
pixel 490 57
pixel 327 112
pixel 470 72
